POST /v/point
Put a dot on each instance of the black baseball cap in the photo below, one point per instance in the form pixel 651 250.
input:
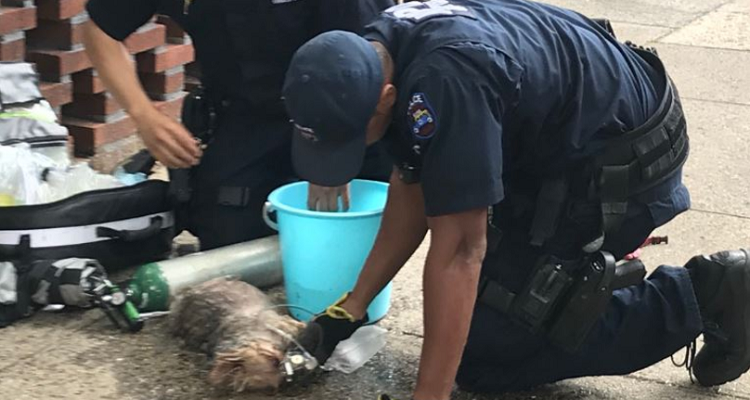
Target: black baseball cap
pixel 331 90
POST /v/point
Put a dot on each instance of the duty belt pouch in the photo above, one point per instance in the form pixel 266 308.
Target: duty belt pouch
pixel 586 302
pixel 536 304
pixel 120 227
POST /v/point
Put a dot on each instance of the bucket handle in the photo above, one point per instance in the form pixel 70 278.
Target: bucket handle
pixel 269 209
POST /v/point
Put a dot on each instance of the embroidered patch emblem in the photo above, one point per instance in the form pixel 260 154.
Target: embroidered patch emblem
pixel 421 117
pixel 306 133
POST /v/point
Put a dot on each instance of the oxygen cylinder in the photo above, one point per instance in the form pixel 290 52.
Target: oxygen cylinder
pixel 257 262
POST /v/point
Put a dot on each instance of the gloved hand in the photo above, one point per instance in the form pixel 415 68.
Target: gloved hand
pixel 321 335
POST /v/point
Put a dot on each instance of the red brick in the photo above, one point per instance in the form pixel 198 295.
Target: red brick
pixel 56 93
pixel 87 82
pixel 54 64
pixel 89 135
pixel 17 19
pixel 59 35
pixel 85 105
pixel 12 49
pixel 146 38
pixel 58 10
pixel 162 83
pixel 164 58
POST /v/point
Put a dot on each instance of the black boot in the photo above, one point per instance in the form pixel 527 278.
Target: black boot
pixel 722 287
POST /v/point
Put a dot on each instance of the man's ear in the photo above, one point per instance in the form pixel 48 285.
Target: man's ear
pixel 387 98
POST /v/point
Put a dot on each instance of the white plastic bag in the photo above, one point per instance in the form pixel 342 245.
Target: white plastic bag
pixel 353 353
pixel 27 178
pixel 21 175
pixel 63 183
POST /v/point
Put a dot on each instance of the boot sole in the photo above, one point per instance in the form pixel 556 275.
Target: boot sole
pixel 739 281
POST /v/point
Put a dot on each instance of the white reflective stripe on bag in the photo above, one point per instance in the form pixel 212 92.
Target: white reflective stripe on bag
pixel 75 235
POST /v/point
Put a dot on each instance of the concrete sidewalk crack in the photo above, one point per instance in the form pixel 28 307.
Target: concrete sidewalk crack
pixel 699 16
pixel 620 21
pixel 657 41
pixel 733 103
pixel 725 214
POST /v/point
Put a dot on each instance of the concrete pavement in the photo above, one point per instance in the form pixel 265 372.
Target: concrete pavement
pixel 706 46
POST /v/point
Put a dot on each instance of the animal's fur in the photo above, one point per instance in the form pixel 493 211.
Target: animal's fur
pixel 231 322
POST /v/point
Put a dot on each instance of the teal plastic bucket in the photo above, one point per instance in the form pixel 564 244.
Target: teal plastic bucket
pixel 324 252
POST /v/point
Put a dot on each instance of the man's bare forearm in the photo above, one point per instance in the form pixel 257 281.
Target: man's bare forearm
pixel 450 288
pixel 113 64
pixel 402 230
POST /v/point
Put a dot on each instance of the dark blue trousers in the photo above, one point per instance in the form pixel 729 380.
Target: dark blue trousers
pixel 643 324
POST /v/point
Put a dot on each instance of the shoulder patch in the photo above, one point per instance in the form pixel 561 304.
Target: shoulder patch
pixel 421 118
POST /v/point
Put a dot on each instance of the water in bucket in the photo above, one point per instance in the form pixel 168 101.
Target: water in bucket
pixel 323 252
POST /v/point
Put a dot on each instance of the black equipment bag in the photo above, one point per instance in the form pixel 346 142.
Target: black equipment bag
pixel 119 227
pixel 25 288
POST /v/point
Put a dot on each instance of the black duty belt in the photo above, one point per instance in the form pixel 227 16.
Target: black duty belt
pixel 642 158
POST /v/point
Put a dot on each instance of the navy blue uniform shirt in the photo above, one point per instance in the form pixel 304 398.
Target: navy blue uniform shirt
pixel 243 46
pixel 489 90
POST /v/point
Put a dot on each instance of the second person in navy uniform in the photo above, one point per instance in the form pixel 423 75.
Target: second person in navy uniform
pixel 243 49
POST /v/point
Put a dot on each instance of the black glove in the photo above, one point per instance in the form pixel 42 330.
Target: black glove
pixel 328 329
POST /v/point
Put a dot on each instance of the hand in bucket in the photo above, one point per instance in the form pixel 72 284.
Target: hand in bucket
pixel 324 198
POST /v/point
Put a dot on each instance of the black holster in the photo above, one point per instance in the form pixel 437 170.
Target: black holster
pixel 199 116
pixel 563 300
pixel 585 302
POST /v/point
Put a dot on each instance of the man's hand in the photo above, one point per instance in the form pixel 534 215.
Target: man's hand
pixel 323 198
pixel 167 140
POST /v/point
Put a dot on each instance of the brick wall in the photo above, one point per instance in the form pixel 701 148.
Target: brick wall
pixel 49 34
